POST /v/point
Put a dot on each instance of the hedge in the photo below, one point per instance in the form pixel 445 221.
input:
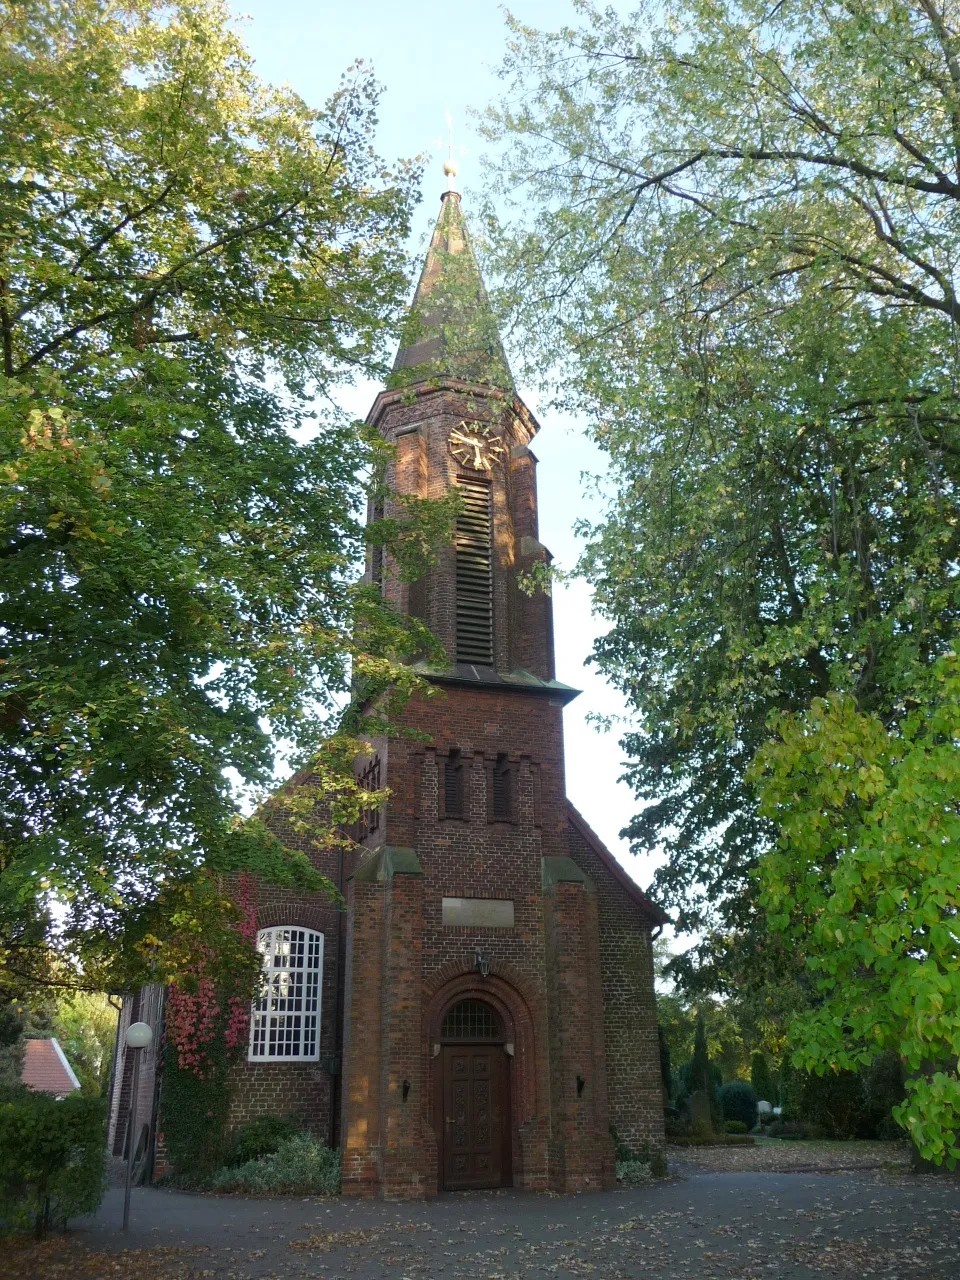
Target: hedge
pixel 52 1156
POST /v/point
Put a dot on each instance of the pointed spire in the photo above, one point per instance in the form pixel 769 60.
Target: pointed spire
pixel 451 331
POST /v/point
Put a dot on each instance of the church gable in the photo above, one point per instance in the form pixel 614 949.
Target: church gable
pixel 622 896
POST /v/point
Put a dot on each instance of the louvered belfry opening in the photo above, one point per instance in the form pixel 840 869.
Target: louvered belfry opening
pixel 474 574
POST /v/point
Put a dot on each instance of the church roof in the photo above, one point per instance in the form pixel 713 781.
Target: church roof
pixel 451 331
pixel 655 914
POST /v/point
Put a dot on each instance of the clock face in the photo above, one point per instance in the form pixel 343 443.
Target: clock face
pixel 475 445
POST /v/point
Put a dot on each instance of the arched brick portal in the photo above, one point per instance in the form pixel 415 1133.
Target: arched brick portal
pixel 503 993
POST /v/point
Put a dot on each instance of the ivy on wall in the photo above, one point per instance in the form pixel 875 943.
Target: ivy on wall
pixel 207 1025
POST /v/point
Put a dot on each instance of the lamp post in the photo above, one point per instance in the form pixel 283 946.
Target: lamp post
pixel 139 1036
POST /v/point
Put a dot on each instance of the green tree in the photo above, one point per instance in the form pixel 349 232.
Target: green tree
pixel 85 1024
pixel 701 1077
pixel 190 260
pixel 739 259
pixel 867 867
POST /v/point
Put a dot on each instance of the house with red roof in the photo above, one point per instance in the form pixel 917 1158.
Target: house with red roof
pixel 46 1069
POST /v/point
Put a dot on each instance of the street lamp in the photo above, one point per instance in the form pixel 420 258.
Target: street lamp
pixel 139 1036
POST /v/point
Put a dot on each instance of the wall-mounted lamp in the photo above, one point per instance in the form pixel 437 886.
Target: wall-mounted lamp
pixel 580 1085
pixel 481 964
pixel 406 1089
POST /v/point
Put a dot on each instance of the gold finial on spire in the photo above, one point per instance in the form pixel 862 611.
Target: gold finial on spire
pixel 450 166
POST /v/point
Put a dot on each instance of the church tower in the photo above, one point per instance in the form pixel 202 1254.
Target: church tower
pixel 498 991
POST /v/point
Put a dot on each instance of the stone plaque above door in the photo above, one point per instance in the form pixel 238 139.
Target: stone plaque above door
pixel 479 913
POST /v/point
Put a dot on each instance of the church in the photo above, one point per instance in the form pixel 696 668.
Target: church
pixel 482 1012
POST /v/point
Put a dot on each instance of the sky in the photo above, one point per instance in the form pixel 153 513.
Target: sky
pixel 433 58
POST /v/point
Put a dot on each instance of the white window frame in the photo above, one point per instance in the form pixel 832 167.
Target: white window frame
pixel 282 1017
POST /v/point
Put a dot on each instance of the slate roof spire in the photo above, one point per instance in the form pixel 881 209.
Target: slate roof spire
pixel 451 331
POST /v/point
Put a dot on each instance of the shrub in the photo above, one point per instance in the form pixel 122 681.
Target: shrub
pixel 834 1102
pixel 302 1165
pixel 794 1130
pixel 883 1089
pixel 261 1137
pixel 761 1077
pixel 715 1140
pixel 739 1102
pixel 633 1173
pixel 51 1159
pixel 736 1126
pixel 647 1154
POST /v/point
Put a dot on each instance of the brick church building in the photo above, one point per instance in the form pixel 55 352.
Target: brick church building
pixel 482 1013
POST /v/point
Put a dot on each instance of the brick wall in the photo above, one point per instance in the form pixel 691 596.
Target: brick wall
pixel 145 1005
pixel 306 1090
pixel 629 1001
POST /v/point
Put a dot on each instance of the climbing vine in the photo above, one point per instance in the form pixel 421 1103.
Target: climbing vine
pixel 207 1023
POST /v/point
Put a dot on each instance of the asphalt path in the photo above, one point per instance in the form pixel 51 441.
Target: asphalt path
pixel 719 1226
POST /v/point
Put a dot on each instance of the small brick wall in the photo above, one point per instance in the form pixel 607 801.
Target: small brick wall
pixel 634 1087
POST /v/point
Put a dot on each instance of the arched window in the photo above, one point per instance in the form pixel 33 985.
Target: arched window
pixel 285 1020
pixel 471 1020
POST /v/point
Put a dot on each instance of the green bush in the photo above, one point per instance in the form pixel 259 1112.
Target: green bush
pixel 833 1103
pixel 761 1077
pixel 845 1104
pixel 633 1173
pixel 736 1126
pixel 883 1089
pixel 739 1102
pixel 261 1137
pixel 647 1153
pixel 795 1130
pixel 302 1165
pixel 52 1157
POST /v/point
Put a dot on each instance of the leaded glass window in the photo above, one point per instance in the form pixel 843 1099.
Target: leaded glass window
pixel 470 1020
pixel 285 1019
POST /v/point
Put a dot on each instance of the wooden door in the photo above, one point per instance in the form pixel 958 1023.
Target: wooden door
pixel 473 1116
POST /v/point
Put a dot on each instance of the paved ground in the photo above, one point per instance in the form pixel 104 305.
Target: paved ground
pixel 718 1226
pixel 770 1155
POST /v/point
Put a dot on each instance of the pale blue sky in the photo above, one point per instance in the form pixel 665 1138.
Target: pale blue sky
pixel 432 58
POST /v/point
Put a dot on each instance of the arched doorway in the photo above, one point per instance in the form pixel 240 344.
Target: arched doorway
pixel 473 1098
